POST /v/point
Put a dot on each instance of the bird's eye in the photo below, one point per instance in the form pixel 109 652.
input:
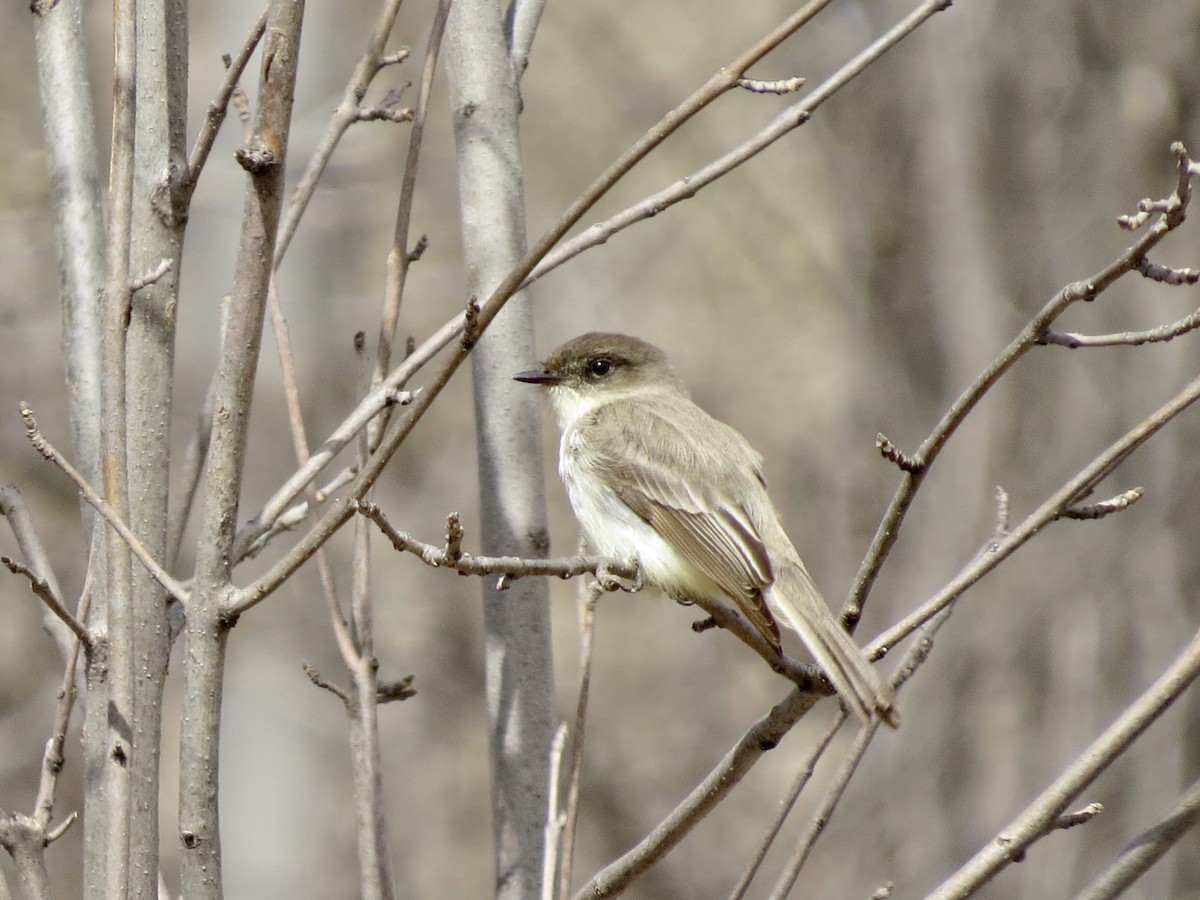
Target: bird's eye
pixel 600 367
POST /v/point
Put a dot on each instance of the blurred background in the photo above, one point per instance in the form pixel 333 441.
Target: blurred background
pixel 851 280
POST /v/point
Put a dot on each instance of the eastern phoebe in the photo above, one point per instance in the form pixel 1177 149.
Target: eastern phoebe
pixel 654 478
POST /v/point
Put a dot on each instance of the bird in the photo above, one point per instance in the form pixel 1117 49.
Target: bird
pixel 654 479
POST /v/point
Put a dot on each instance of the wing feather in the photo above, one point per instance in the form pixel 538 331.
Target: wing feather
pixel 701 518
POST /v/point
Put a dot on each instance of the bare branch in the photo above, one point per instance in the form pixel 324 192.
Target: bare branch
pixel 787 804
pixel 764 735
pixel 337 690
pixel 41 588
pixel 383 113
pixel 1146 849
pixel 791 118
pixel 825 809
pixel 451 556
pixel 523 19
pixel 346 114
pixel 1042 814
pixel 1079 817
pixel 47 450
pixel 1167 274
pixel 783 86
pixel 1074 340
pixel 151 277
pixel 12 507
pixel 116 300
pixel 589 596
pixel 1031 335
pixel 219 105
pixel 555 820
pixel 26 843
pixel 52 756
pixel 1118 503
pixel 264 157
pixel 400 257
pixel 71 155
pixel 894 454
pixel 1053 508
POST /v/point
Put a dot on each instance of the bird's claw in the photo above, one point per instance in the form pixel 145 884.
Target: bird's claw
pixel 610 580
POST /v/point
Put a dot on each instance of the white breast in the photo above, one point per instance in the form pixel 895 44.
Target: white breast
pixel 612 528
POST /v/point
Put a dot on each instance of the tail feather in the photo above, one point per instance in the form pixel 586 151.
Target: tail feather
pixel 795 600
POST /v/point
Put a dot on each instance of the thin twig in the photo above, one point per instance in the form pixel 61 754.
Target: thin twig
pixel 219 105
pixel 47 450
pixel 782 86
pixel 41 588
pixel 1121 502
pixel 1146 849
pixel 400 257
pixel 824 812
pixel 294 516
pixel 1074 340
pixel 153 276
pixel 346 114
pixel 291 395
pixel 785 807
pixel 913 659
pixel 12 507
pixel 468 564
pixel 53 757
pixel 589 596
pixel 555 818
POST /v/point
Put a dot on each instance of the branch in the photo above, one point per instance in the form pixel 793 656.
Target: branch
pixel 71 154
pixel 763 736
pixel 1074 341
pixel 41 588
pixel 1053 508
pixel 785 807
pixel 589 597
pixel 347 113
pixel 791 118
pixel 1118 503
pixel 399 257
pixel 523 19
pixel 47 450
pixel 1032 335
pixel 783 86
pixel 219 105
pixel 451 556
pixel 1042 815
pixel 264 157
pixel 115 776
pixel 12 507
pixel 1146 849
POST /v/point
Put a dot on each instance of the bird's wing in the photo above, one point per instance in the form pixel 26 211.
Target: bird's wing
pixel 644 455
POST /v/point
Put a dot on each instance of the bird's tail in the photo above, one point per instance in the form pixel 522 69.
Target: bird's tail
pixel 796 601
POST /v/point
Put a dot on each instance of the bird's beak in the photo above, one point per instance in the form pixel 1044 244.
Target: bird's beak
pixel 538 376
